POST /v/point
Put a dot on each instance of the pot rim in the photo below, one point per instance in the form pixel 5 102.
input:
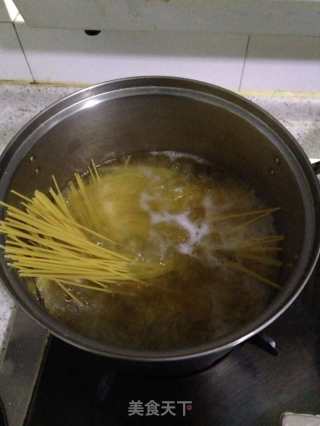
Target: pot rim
pixel 227 343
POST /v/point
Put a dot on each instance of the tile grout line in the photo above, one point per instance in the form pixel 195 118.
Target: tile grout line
pixel 244 61
pixel 23 52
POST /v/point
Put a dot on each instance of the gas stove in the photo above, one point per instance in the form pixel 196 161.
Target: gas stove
pixel 44 381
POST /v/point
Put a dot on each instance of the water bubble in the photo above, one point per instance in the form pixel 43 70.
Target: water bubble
pixel 277 160
pixel 271 172
pixel 31 158
pixel 36 171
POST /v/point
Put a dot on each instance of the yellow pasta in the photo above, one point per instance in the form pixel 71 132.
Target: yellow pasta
pixel 150 250
pixel 44 240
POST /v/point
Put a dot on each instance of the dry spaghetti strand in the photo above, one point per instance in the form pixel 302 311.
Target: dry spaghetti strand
pixel 45 241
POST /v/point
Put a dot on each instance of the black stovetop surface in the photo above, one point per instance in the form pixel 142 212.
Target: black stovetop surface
pixel 249 387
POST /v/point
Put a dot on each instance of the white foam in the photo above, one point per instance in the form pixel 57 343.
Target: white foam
pixel 185 248
pixel 195 231
pixel 173 155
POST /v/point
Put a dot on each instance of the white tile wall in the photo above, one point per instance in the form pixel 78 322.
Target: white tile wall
pixel 12 62
pixel 270 62
pixel 226 16
pixel 73 56
pixel 282 63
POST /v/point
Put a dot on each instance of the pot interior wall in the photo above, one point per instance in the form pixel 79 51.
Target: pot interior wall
pixel 144 123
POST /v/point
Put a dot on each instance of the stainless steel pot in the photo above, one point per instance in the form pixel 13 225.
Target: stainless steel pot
pixel 155 113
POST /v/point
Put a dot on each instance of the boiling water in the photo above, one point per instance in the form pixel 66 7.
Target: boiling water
pixel 163 207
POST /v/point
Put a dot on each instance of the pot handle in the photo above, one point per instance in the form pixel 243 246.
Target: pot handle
pixel 316 167
pixel 266 343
